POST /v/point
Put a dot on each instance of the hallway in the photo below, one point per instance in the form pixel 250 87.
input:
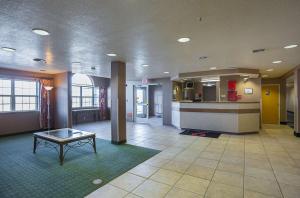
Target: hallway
pixel 260 165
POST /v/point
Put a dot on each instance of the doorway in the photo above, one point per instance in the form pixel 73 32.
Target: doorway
pixel 270 104
pixel 141 106
pixel 148 104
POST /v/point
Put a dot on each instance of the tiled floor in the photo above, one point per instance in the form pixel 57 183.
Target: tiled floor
pixel 264 165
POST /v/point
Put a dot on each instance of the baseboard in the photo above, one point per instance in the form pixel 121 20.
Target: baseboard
pixel 224 132
pixel 22 132
pixel 118 143
pixel 296 134
pixel 284 123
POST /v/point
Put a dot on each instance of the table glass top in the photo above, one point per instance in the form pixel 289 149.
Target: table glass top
pixel 64 133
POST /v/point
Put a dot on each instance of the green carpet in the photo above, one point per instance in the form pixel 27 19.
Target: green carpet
pixel 24 174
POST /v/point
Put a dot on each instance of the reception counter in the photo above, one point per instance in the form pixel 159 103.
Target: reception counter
pixel 231 117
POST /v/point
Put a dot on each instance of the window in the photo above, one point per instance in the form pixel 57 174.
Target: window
pixel 84 94
pixel 18 95
pixel 5 95
pixel 26 96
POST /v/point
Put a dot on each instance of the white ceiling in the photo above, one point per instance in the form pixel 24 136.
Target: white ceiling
pixel 145 32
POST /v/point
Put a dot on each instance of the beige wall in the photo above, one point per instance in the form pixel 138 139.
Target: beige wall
pixel 297 101
pixel 15 122
pixel 290 99
pixel 177 91
pixel 254 83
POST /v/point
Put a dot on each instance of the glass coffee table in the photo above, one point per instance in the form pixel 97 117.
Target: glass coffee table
pixel 63 139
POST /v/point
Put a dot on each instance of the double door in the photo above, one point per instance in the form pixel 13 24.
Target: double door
pixel 141 106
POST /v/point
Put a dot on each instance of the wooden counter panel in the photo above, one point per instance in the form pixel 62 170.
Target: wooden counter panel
pixel 219 110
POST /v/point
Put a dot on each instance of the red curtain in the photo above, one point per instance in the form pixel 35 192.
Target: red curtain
pixel 43 104
pixel 103 103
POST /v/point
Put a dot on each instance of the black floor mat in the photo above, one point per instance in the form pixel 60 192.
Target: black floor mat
pixel 201 133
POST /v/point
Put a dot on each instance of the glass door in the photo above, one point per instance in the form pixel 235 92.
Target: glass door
pixel 141 104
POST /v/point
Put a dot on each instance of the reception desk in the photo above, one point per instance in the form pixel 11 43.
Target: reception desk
pixel 231 117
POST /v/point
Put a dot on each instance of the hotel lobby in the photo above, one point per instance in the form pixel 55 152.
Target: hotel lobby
pixel 149 99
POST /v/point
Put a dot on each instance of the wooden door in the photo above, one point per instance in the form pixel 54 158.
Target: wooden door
pixel 270 104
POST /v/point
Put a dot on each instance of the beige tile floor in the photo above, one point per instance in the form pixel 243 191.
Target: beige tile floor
pixel 250 166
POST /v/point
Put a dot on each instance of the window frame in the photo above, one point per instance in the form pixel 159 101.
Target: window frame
pixel 13 95
pixel 81 97
pixel 10 96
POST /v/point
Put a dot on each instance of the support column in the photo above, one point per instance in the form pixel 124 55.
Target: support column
pixel 297 103
pixel 118 102
pixel 63 100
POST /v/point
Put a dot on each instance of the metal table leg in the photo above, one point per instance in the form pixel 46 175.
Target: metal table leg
pixel 61 154
pixel 34 143
pixel 94 144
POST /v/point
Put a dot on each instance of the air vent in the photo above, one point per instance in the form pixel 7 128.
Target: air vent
pixel 258 50
pixel 39 60
pixel 202 57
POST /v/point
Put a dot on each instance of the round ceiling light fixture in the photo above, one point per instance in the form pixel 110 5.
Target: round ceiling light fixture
pixel 290 46
pixel 111 54
pixel 40 32
pixel 145 65
pixel 8 49
pixel 269 70
pixel 183 40
pixel 277 62
pixel 166 72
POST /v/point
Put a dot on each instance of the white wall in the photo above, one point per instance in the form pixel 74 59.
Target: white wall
pixel 254 83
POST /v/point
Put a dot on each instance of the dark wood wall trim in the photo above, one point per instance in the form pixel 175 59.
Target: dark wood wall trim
pixel 239 111
pixel 219 72
pixel 24 74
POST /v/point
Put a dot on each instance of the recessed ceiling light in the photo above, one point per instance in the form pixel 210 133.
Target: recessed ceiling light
pixel 290 46
pixel 145 65
pixel 111 54
pixel 40 32
pixel 213 68
pixel 183 40
pixel 269 70
pixel 265 75
pixel 8 49
pixel 277 62
pixel 166 72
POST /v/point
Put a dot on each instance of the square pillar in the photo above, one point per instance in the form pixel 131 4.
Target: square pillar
pixel 63 100
pixel 297 103
pixel 118 102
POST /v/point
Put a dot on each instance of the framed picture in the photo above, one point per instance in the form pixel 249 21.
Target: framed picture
pixel 248 91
